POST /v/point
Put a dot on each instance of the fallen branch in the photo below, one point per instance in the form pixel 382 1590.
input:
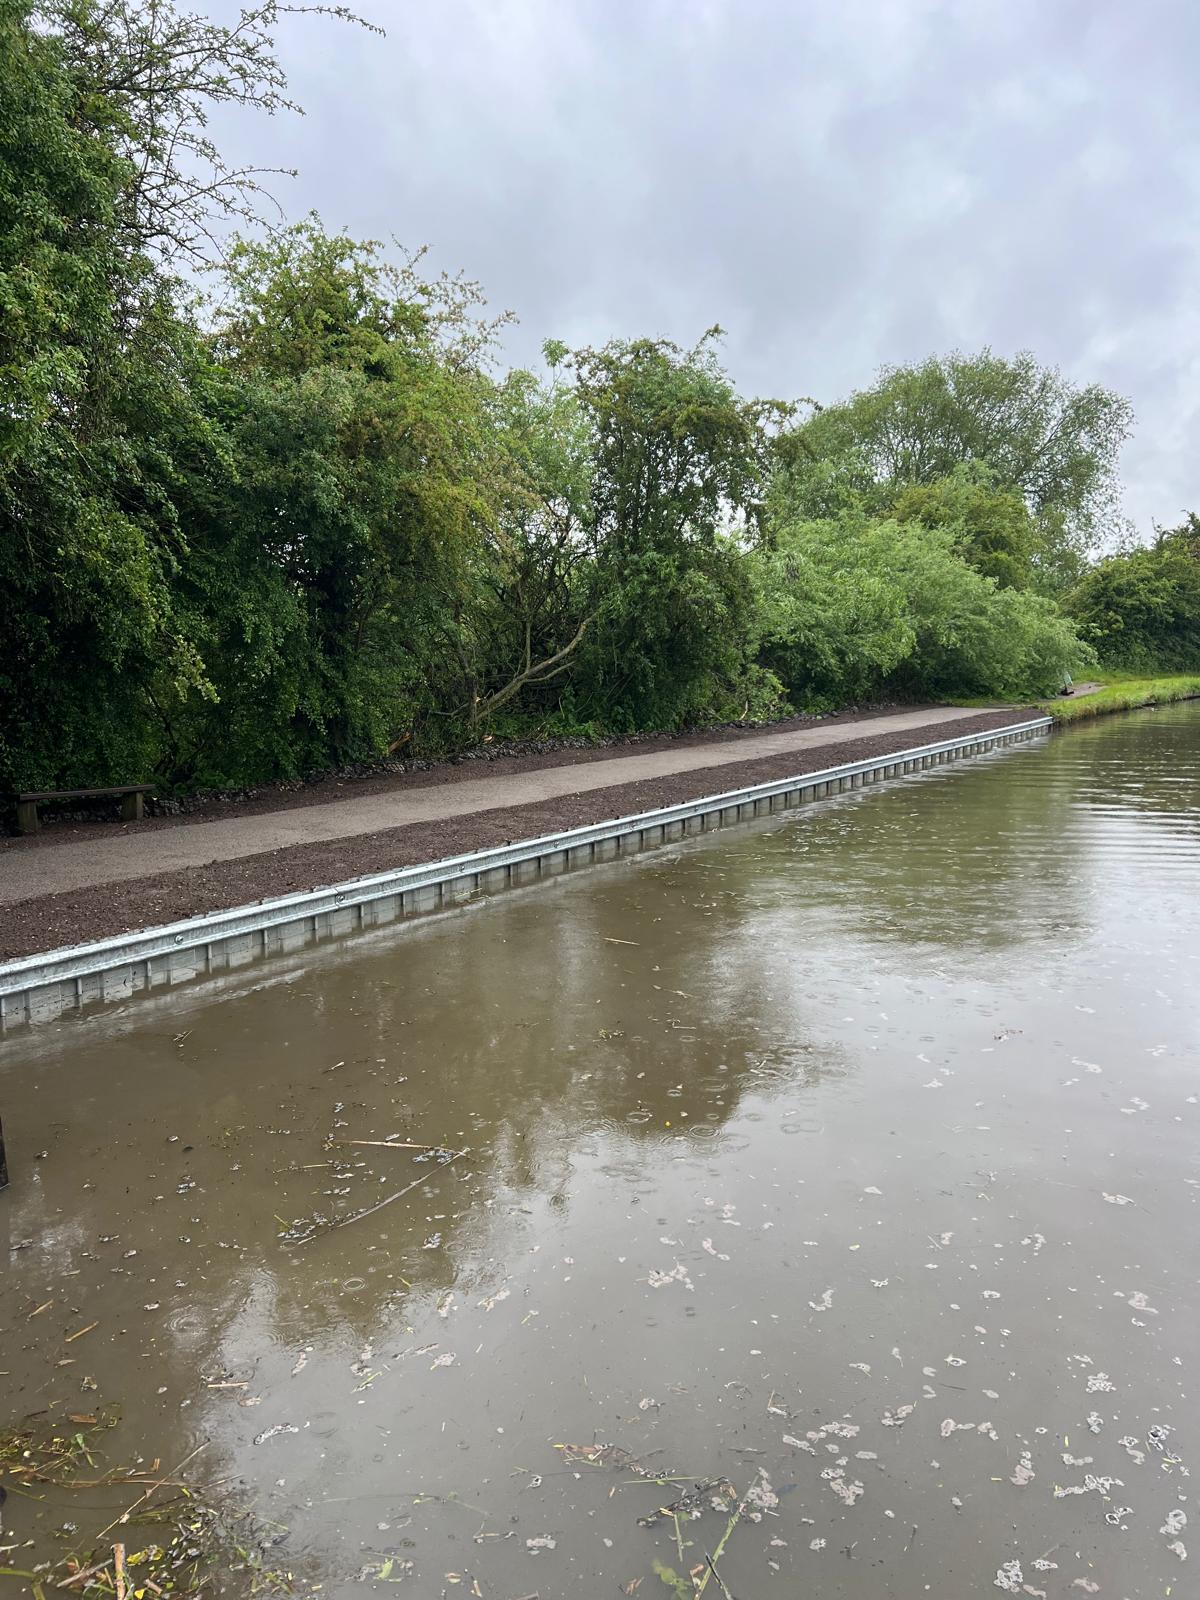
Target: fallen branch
pixel 161 1483
pixel 387 1144
pixel 535 672
pixel 359 1216
pixel 87 1572
pixel 109 1481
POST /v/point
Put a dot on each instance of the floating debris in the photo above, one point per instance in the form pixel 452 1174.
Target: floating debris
pixel 1092 1484
pixel 949 1426
pixel 275 1431
pixel 678 1274
pixel 607 1455
pixel 846 1490
pixel 713 1494
pixel 197 1537
pixel 898 1417
pixel 760 1496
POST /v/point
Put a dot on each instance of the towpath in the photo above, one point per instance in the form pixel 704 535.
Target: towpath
pixel 105 879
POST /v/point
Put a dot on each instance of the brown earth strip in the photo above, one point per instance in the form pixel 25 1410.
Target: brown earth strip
pixel 47 922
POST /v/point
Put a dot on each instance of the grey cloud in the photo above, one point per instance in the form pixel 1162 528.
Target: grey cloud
pixel 838 185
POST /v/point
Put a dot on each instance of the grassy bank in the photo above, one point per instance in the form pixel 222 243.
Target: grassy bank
pixel 1124 694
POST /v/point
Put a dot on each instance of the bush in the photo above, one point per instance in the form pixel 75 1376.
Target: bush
pixel 1142 608
pixel 855 608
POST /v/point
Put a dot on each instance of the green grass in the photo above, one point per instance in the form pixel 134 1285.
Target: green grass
pixel 1123 694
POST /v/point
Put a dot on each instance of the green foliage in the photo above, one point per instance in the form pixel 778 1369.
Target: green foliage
pixel 1053 443
pixel 59 190
pixel 993 530
pixel 682 1588
pixel 678 460
pixel 97 372
pixel 369 479
pixel 860 608
pixel 307 523
pixel 1142 608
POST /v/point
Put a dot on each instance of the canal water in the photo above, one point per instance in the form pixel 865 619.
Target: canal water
pixel 846 1162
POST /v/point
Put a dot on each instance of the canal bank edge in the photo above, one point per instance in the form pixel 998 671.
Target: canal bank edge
pixel 40 988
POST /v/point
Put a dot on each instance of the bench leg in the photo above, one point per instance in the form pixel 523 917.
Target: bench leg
pixel 27 817
pixel 131 808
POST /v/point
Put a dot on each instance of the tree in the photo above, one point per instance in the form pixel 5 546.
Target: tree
pixel 149 76
pixel 993 529
pixel 104 426
pixel 370 479
pixel 679 461
pixel 855 608
pixel 1050 441
pixel 96 369
pixel 1142 608
pixel 531 619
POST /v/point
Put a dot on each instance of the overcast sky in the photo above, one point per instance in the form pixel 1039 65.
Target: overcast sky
pixel 838 183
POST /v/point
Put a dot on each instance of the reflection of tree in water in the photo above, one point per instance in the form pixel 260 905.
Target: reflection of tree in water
pixel 983 856
pixel 534 1030
pixel 979 856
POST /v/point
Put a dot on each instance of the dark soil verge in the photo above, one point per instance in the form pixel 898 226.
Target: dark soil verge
pixel 53 921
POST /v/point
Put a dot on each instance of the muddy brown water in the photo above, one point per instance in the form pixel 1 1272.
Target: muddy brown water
pixel 853 1155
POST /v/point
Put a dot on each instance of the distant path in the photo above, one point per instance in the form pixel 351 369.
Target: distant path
pixel 55 869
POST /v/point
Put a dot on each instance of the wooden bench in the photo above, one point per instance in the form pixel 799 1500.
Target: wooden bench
pixel 129 794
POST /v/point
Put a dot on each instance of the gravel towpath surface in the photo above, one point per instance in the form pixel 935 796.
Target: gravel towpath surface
pixel 61 894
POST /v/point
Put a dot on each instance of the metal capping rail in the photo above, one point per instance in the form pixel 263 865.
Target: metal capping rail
pixel 41 987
